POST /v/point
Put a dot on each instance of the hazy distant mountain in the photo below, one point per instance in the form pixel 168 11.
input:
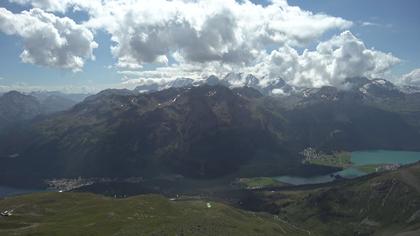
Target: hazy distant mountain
pixel 409 89
pixel 53 101
pixel 56 103
pixel 43 95
pixel 16 108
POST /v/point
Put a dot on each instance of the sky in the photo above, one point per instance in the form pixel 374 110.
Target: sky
pixel 87 46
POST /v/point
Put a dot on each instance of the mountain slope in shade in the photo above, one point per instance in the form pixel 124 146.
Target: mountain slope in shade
pixel 203 132
pixel 335 119
pixel 206 131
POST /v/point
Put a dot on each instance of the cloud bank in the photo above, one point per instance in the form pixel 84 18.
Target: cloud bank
pixel 222 31
pixel 197 38
pixel 343 56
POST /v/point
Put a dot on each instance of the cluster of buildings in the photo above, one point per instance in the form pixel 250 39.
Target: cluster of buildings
pixel 388 167
pixel 311 154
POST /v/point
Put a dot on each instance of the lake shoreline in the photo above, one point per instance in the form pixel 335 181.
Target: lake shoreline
pixel 382 160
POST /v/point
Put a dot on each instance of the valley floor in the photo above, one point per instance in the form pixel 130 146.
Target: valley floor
pixel 385 203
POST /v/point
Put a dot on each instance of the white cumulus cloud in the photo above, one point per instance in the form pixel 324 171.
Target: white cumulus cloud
pixel 412 78
pixel 331 63
pixel 197 38
pixel 49 40
pixel 334 60
pixel 49 5
pixel 235 33
pixel 225 31
pixel 60 5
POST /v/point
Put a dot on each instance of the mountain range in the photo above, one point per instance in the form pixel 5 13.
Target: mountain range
pixel 206 131
pixel 267 86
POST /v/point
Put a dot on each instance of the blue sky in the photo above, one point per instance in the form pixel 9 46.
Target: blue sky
pixel 397 30
pixel 389 26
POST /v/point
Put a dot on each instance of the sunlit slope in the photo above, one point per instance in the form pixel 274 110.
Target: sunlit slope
pixel 87 214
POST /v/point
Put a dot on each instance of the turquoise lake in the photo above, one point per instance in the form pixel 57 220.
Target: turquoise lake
pixel 382 156
pixel 358 158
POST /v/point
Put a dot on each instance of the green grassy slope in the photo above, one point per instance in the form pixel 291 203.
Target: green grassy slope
pixel 380 204
pixel 87 214
pixel 386 204
pixel 259 182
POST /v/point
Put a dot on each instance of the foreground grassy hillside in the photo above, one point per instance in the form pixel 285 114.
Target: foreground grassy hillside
pixel 88 214
pixel 379 204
